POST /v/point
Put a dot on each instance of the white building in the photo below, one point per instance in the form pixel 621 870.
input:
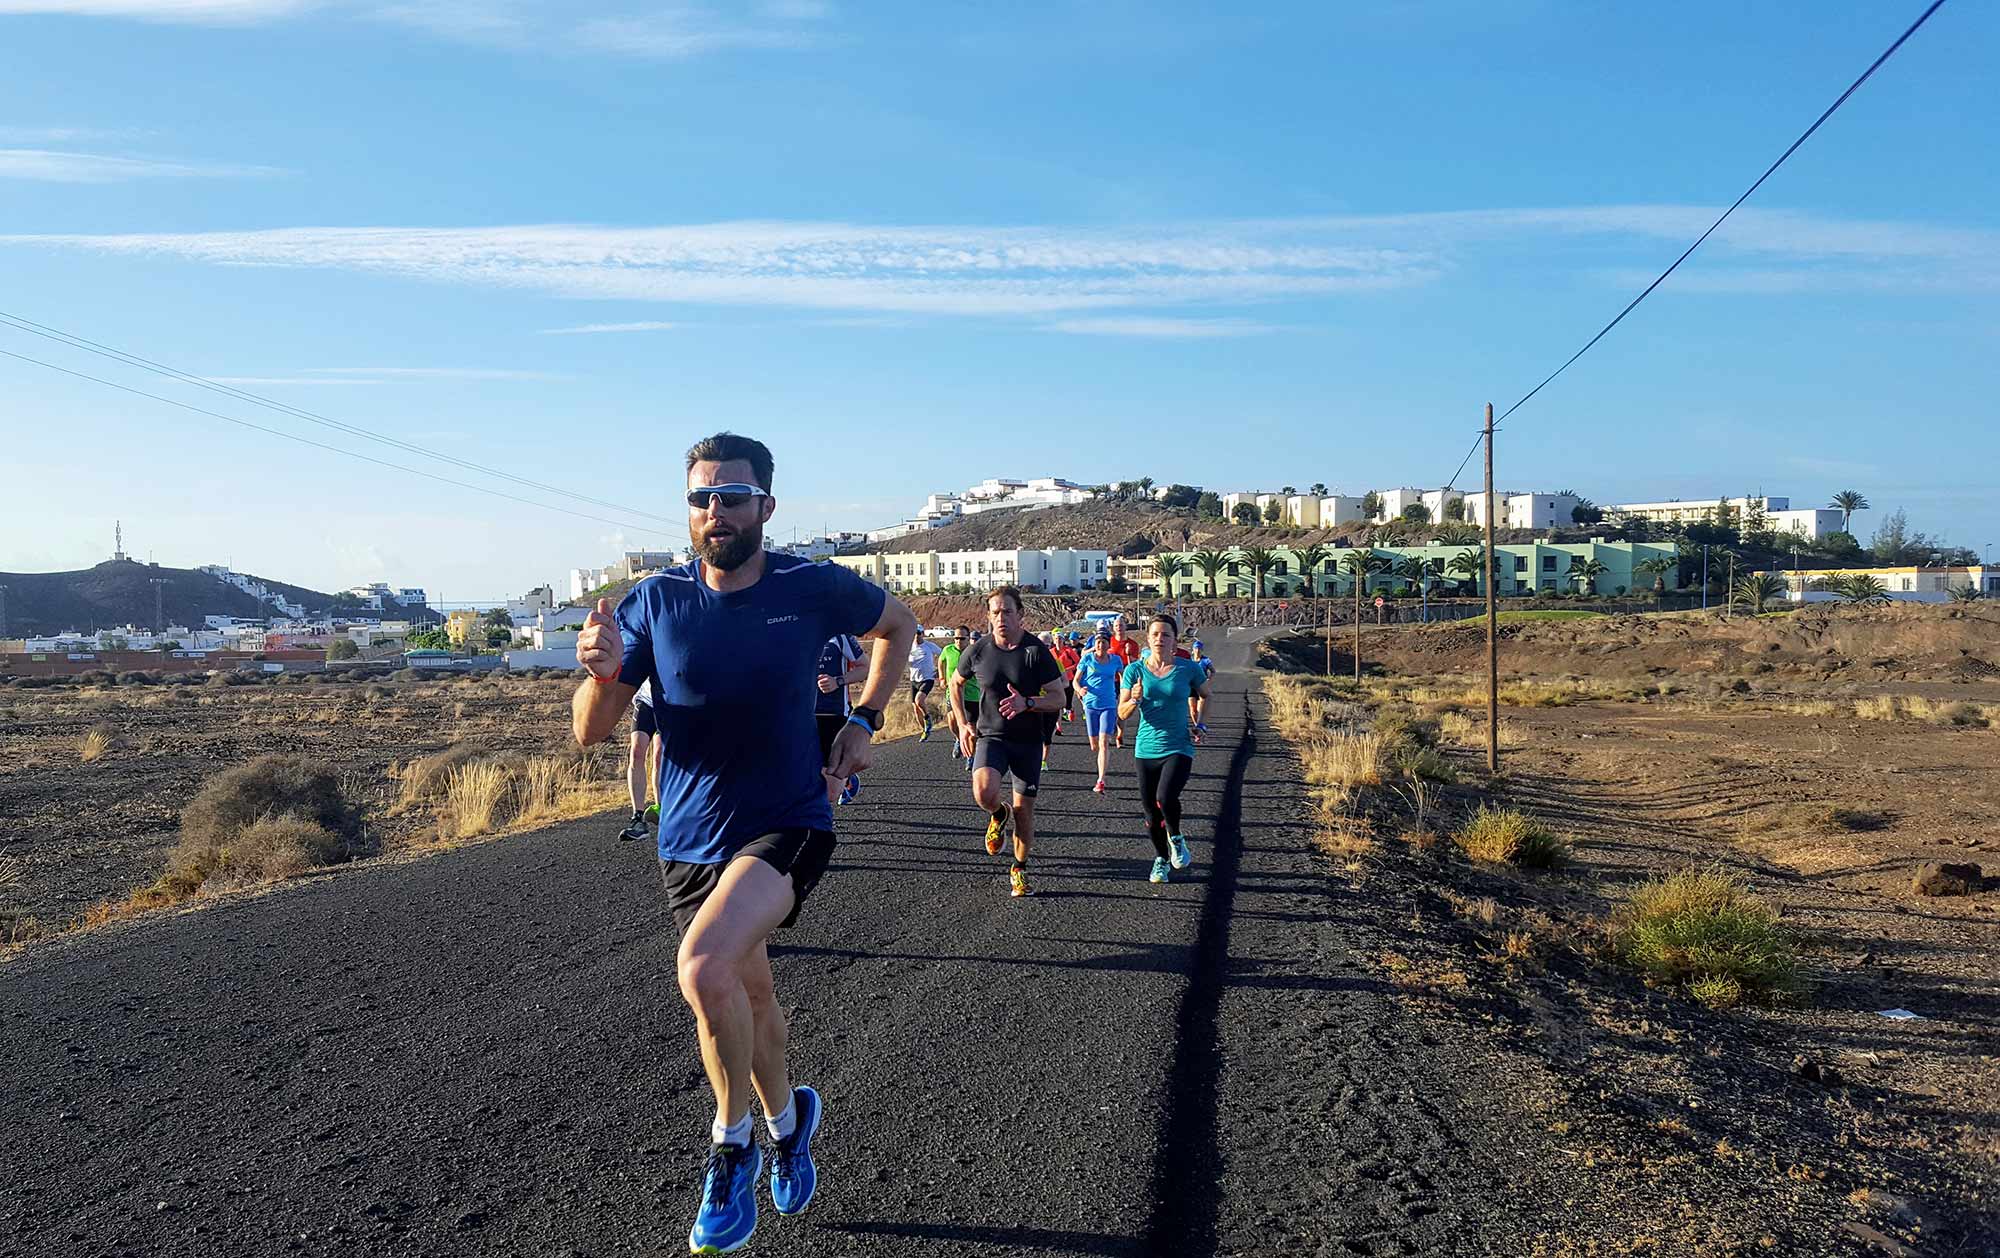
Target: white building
pixel 1438 501
pixel 1338 509
pixel 1048 571
pixel 1231 501
pixel 1523 511
pixel 523 609
pixel 583 580
pixel 1811 523
pixel 1396 501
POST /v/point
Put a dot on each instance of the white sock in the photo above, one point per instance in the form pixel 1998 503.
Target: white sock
pixel 736 1133
pixel 783 1125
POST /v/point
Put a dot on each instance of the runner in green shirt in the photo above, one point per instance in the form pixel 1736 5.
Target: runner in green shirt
pixel 961 641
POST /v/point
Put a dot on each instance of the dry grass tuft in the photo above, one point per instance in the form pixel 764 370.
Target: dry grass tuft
pixel 475 797
pixel 1700 930
pixel 96 743
pixel 1507 836
pixel 1345 761
pixel 424 779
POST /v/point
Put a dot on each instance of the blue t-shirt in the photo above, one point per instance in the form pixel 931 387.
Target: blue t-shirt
pixel 735 688
pixel 1163 709
pixel 834 657
pixel 1098 682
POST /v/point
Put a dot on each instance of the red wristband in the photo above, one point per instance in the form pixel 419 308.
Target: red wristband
pixel 604 681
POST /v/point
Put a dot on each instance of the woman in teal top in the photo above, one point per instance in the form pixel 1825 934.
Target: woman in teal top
pixel 1170 695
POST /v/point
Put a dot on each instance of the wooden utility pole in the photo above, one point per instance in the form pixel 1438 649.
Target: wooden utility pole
pixel 1492 619
pixel 159 615
pixel 1329 635
pixel 1360 583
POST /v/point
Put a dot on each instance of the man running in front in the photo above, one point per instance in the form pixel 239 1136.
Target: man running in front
pixel 1019 683
pixel 731 640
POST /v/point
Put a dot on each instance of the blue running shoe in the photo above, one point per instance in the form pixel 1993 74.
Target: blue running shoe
pixel 853 788
pixel 792 1175
pixel 728 1213
pixel 1177 846
pixel 1159 873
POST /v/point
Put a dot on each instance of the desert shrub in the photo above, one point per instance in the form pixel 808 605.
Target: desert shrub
pixel 1700 930
pixel 269 786
pixel 406 674
pixel 1506 835
pixel 231 679
pixel 1343 760
pixel 1403 731
pixel 1426 764
pixel 1961 714
pixel 266 850
pixel 137 678
pixel 424 779
pixel 95 677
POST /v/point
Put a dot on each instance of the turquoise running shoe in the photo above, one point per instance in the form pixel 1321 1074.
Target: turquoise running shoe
pixel 792 1175
pixel 728 1213
pixel 1177 845
pixel 1159 873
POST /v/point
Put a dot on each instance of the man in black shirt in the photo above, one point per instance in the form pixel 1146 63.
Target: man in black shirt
pixel 1019 682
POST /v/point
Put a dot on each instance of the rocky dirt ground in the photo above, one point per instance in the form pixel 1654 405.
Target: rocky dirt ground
pixel 1825 758
pixel 73 832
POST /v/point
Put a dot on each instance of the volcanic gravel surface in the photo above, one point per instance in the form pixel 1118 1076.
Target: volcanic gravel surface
pixel 484 1052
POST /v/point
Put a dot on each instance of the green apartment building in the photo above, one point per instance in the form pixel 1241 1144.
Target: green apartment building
pixel 1521 570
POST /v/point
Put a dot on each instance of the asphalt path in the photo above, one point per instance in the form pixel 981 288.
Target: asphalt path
pixel 484 1051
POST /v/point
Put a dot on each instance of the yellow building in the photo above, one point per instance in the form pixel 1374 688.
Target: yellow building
pixel 459 624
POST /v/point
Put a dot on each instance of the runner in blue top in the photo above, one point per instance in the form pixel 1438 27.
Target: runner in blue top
pixel 1170 695
pixel 745 828
pixel 1097 674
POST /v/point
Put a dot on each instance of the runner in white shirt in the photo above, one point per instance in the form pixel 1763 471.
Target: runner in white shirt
pixel 923 679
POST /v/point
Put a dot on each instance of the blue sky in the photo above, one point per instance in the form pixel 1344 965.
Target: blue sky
pixel 913 246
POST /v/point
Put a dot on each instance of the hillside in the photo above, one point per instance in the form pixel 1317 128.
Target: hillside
pixel 1125 529
pixel 119 592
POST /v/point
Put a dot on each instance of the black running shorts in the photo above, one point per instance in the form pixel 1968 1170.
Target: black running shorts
pixel 802 853
pixel 1023 760
pixel 829 729
pixel 643 720
pixel 919 688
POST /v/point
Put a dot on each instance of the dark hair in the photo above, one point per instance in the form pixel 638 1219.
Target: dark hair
pixel 963 629
pixel 1173 626
pixel 728 447
pixel 1006 591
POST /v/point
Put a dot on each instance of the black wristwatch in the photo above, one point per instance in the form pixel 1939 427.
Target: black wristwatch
pixel 871 716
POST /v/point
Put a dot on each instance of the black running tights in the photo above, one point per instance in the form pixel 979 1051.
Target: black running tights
pixel 1161 779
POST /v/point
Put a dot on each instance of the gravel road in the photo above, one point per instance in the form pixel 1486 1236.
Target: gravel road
pixel 484 1051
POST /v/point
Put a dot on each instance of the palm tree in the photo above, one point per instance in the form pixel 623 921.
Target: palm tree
pixel 1288 490
pixel 1260 559
pixel 1169 566
pixel 1966 594
pixel 1657 567
pixel 1458 533
pixel 1145 487
pixel 1310 558
pixel 1319 489
pixel 1847 502
pixel 1755 590
pixel 1420 569
pixel 1862 588
pixel 1358 563
pixel 1211 562
pixel 1585 573
pixel 1468 565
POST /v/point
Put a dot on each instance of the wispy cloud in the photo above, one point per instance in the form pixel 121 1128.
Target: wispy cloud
pixel 58 135
pixel 635 28
pixel 1162 329
pixel 199 12
pixel 385 375
pixel 1170 274
pixel 51 166
pixel 589 329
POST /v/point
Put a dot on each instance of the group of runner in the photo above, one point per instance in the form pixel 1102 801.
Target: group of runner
pixel 718 661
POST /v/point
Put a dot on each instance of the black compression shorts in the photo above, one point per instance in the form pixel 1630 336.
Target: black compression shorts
pixel 802 853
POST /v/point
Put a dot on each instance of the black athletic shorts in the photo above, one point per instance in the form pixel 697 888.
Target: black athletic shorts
pixel 643 720
pixel 829 729
pixel 802 853
pixel 1023 760
pixel 921 688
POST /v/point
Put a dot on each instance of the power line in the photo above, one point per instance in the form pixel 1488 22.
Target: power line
pixel 318 445
pixel 23 324
pixel 1828 112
